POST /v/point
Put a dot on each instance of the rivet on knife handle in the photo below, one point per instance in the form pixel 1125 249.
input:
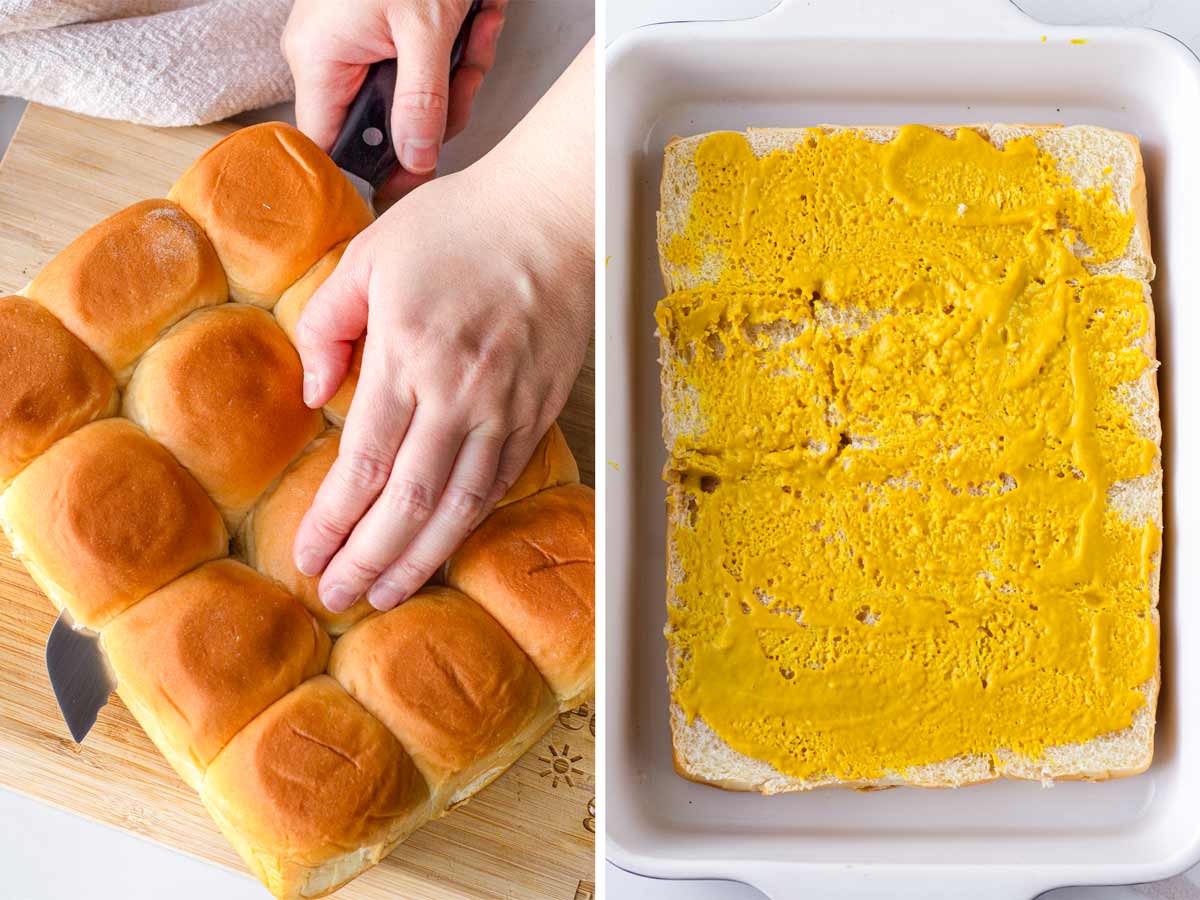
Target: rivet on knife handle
pixel 364 145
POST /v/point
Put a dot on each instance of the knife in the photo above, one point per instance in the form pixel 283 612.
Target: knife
pixel 364 150
pixel 78 670
pixel 79 674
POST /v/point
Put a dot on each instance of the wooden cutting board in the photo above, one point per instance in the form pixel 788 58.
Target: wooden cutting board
pixel 529 835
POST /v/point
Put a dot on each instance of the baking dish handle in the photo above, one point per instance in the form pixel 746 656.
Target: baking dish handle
pixel 808 17
pixel 875 884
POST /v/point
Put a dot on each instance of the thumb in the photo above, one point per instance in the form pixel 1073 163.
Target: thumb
pixel 423 88
pixel 333 319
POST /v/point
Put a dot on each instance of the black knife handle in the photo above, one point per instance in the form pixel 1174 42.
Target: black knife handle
pixel 364 144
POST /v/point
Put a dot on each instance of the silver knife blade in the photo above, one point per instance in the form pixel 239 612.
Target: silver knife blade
pixel 79 674
pixel 364 188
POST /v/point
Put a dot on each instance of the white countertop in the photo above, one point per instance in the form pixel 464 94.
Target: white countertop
pixel 1180 18
pixel 50 854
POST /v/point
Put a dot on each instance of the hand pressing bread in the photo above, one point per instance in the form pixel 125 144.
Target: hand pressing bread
pixel 329 47
pixel 475 296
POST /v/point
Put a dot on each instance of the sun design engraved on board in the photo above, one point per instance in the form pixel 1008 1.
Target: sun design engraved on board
pixel 560 765
pixel 575 719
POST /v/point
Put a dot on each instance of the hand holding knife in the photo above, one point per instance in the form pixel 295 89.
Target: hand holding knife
pixel 364 149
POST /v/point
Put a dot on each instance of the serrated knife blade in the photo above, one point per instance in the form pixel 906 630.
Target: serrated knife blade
pixel 79 674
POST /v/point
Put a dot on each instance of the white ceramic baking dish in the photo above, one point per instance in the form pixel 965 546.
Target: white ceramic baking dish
pixel 880 62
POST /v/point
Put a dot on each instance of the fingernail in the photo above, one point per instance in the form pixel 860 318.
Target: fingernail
pixel 338 597
pixel 308 562
pixel 383 595
pixel 310 392
pixel 419 157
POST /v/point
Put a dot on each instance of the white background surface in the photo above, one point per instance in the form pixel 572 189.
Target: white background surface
pixel 1178 17
pixel 50 854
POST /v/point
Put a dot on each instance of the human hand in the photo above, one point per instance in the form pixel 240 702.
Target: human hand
pixel 329 47
pixel 476 296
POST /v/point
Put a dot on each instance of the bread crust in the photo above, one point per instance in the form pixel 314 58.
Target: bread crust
pixel 291 306
pixel 198 659
pixel 1138 739
pixel 105 517
pixel 531 565
pixel 314 790
pixel 235 434
pixel 127 279
pixel 267 537
pixel 50 384
pixel 272 203
pixel 449 683
pixel 552 464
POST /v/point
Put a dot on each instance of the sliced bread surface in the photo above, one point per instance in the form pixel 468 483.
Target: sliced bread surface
pixel 1094 159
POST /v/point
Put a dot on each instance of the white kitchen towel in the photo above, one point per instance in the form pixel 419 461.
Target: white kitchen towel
pixel 157 62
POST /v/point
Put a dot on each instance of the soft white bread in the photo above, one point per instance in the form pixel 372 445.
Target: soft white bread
pixel 532 565
pixel 551 465
pixel 198 659
pixel 288 311
pixel 123 281
pixel 269 532
pixel 1093 158
pixel 106 516
pixel 272 203
pixel 313 791
pixel 50 384
pixel 450 684
pixel 222 391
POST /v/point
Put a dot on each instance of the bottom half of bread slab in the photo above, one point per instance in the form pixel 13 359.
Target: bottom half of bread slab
pixel 760 628
pixel 703 755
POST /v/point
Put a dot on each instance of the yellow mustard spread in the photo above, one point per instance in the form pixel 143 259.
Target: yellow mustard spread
pixel 903 403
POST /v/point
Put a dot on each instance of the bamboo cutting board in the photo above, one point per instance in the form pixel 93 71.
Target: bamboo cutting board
pixel 529 836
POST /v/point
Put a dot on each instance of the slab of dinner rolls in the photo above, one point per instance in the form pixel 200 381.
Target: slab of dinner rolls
pixel 222 391
pixel 125 522
pixel 288 310
pixel 532 566
pixel 314 790
pixel 123 281
pixel 50 384
pixel 269 532
pixel 271 202
pixel 446 679
pixel 106 516
pixel 199 658
pixel 552 464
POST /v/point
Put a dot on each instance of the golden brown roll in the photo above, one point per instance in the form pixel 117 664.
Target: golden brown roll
pixel 269 532
pixel 122 282
pixel 271 202
pixel 446 679
pixel 552 464
pixel 222 391
pixel 313 791
pixel 532 566
pixel 50 384
pixel 288 310
pixel 198 659
pixel 106 516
